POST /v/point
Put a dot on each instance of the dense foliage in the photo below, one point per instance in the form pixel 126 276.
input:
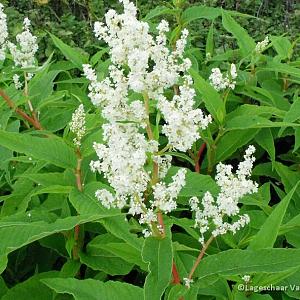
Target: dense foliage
pixel 148 162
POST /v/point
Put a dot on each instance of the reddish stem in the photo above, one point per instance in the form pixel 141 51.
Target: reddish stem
pixel 198 158
pixel 176 277
pixel 76 238
pixel 33 121
pixel 161 224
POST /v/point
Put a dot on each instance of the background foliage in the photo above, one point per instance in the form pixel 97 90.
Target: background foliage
pixel 41 205
pixel 71 20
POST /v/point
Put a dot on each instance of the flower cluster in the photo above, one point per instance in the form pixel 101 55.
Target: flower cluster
pixel 181 130
pixel 141 64
pixel 261 46
pixel 131 44
pixel 77 125
pixel 23 53
pixel 3 33
pixel 17 82
pixel 221 82
pixel 232 188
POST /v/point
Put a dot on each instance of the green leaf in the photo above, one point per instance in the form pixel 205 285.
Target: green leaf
pixel 232 141
pixel 86 203
pixel 47 179
pixel 98 258
pixel 292 115
pixel 209 46
pixel 282 46
pixel 18 233
pixel 52 149
pixel 240 262
pixel 282 68
pixel 158 254
pixel 75 56
pixel 181 155
pixel 200 12
pixel 265 139
pixel 32 288
pixel 94 289
pixel 158 11
pixel 289 179
pixel 196 184
pixel 266 236
pixel 212 99
pixel 297 139
pixel 3 287
pixel 116 247
pixel 245 42
pixel 246 122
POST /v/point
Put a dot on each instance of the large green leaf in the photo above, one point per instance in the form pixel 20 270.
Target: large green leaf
pixel 73 55
pixel 247 122
pixel 282 68
pixel 212 99
pixel 240 262
pixel 266 236
pixel 32 288
pixel 292 115
pixel 265 139
pixel 205 12
pixel 289 178
pixel 245 42
pixel 158 253
pixel 200 12
pixel 103 244
pixel 86 203
pixel 52 149
pixel 21 231
pixel 232 141
pixel 158 11
pixel 94 289
pixel 98 258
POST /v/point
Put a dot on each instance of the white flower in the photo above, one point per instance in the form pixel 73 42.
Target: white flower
pixel 165 195
pixel 261 46
pixel 122 162
pixel 3 32
pixel 146 233
pixel 221 82
pixel 187 282
pixel 246 278
pixel 106 198
pixel 77 125
pixel 232 188
pixel 164 164
pixel 23 53
pixel 183 123
pixel 17 83
pixel 144 65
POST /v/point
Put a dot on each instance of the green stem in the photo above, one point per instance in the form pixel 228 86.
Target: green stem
pixel 200 256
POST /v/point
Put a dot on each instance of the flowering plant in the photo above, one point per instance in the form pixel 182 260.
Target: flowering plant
pixel 145 178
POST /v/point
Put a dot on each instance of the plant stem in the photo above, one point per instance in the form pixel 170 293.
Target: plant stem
pixel 176 278
pixel 161 224
pixel 35 123
pixel 198 157
pixel 79 185
pixel 78 170
pixel 26 93
pixel 200 256
pixel 211 149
